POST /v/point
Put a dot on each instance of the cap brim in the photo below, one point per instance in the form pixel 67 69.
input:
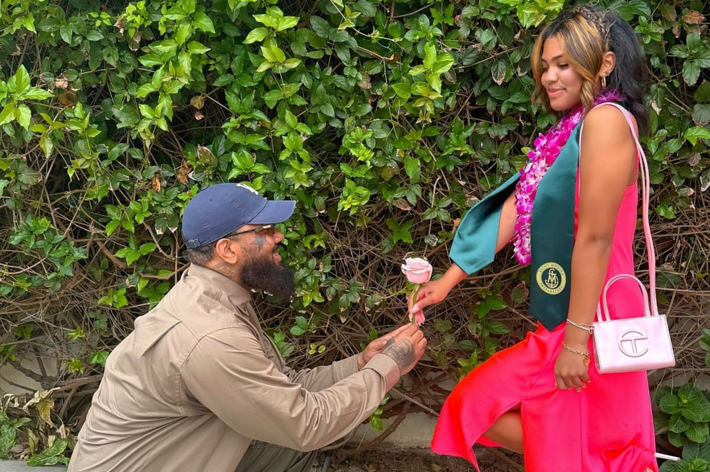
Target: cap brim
pixel 275 211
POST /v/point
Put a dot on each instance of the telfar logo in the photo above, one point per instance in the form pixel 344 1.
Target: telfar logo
pixel 633 343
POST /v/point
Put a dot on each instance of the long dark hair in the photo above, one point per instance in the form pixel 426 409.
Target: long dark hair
pixel 586 33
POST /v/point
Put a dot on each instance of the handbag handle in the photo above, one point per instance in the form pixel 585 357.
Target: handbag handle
pixel 650 249
pixel 616 278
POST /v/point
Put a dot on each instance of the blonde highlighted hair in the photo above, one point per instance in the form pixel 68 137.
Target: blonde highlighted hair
pixel 584 41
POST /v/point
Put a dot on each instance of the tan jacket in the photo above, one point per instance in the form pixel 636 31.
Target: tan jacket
pixel 197 380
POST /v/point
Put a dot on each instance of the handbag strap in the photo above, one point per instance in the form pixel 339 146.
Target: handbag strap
pixel 645 202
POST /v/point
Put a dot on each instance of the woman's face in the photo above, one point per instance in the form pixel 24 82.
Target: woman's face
pixel 562 82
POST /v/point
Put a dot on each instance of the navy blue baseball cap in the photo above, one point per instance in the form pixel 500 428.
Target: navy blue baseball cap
pixel 223 208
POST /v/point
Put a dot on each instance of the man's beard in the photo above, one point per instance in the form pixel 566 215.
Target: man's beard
pixel 265 275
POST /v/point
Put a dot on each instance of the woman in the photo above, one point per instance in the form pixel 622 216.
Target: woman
pixel 544 397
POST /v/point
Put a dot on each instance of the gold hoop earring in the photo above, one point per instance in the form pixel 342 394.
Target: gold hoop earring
pixel 603 81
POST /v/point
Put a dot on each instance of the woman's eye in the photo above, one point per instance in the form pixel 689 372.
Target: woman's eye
pixel 563 66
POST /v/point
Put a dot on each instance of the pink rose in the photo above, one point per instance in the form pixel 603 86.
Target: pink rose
pixel 417 270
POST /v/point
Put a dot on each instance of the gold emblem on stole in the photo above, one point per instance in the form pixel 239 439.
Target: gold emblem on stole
pixel 551 278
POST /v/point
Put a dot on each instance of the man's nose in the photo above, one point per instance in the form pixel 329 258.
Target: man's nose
pixel 278 236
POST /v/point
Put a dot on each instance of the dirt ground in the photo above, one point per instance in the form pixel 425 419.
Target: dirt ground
pixel 420 460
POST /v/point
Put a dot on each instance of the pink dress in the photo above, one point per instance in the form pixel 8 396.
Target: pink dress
pixel 606 428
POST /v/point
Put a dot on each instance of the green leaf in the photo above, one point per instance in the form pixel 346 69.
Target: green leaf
pixel 695 133
pixel 183 33
pixel 286 22
pixel 99 357
pixel 443 63
pixel 8 114
pixel 197 48
pixel 402 90
pixel 678 423
pixel 670 404
pixel 112 226
pixel 23 115
pixel 702 94
pixel 328 110
pixel 147 248
pixel 496 327
pixel 45 142
pixel 691 72
pixel 151 60
pixel 51 456
pixel 629 9
pixel 203 22
pixel 94 35
pixel 320 26
pixel 255 35
pixel 698 432
pixel 495 303
pixel 429 56
pixel 65 32
pixel 701 113
pixel 278 54
pixel 413 168
pixel 22 80
pixel 694 412
pixel 38 94
pixel 291 119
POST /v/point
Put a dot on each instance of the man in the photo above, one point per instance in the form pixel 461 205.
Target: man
pixel 198 379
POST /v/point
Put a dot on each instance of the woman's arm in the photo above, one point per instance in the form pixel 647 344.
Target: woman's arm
pixel 436 291
pixel 607 167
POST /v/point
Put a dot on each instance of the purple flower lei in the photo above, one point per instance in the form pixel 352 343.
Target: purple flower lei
pixel 547 147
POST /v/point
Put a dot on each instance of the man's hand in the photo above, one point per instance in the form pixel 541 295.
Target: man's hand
pixel 375 347
pixel 405 347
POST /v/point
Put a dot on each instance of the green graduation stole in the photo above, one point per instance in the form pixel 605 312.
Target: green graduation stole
pixel 551 235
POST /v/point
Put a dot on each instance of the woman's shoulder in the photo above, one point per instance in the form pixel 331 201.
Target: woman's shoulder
pixel 606 122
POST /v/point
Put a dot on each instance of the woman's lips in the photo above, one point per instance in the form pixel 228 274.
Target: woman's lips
pixel 554 93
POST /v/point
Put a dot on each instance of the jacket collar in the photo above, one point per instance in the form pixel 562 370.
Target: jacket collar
pixel 237 294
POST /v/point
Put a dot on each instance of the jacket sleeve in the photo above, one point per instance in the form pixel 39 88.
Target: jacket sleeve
pixel 474 245
pixel 318 378
pixel 229 374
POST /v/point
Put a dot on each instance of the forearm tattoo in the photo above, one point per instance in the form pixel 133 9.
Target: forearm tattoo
pixel 402 352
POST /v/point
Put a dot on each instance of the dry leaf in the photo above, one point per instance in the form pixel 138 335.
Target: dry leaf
pixel 45 410
pixel 119 25
pixel 183 173
pixel 155 183
pixel 205 155
pixel 402 204
pixel 61 82
pixel 44 403
pixel 67 98
pixel 693 18
pixel 199 116
pixel 198 102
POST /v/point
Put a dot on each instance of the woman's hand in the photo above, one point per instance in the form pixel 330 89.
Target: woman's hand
pixel 570 370
pixel 428 294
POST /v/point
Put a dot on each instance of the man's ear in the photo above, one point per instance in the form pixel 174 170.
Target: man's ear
pixel 608 64
pixel 227 250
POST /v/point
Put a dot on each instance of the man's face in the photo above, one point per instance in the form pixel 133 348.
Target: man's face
pixel 260 266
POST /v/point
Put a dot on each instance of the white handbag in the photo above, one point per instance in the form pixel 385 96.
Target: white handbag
pixel 638 343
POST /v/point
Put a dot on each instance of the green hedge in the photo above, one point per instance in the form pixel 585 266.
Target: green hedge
pixel 385 120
